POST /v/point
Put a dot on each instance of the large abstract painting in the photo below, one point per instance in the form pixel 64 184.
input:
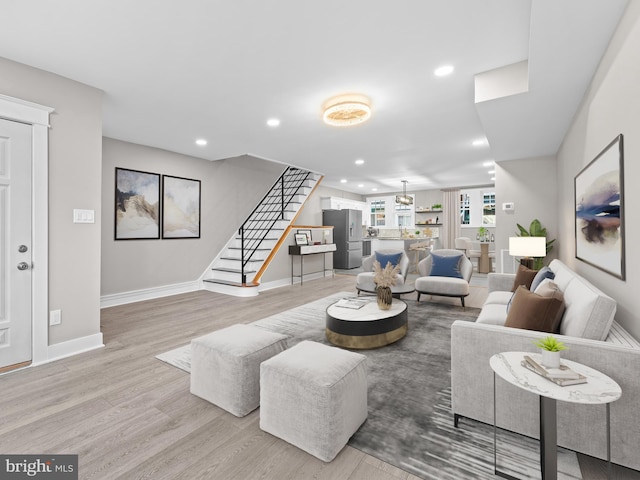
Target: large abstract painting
pixel 600 211
pixel 180 207
pixel 137 206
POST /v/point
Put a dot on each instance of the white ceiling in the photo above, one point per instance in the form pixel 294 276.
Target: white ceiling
pixel 173 71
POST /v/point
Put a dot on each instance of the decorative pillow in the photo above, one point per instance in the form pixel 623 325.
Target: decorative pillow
pixel 544 272
pixel 536 312
pixel 445 266
pixel 393 258
pixel 524 276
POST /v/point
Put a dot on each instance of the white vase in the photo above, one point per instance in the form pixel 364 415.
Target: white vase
pixel 550 359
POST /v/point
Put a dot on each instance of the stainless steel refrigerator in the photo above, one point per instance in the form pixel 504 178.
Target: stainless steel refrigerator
pixel 347 235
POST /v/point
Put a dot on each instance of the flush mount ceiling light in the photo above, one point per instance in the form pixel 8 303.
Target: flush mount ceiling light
pixel 346 110
pixel 201 142
pixel 404 199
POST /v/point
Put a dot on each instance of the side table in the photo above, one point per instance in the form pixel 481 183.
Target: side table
pixel 599 389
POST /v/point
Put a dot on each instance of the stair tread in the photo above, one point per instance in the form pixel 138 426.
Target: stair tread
pixel 239 259
pixel 231 270
pixel 227 282
pixel 256 249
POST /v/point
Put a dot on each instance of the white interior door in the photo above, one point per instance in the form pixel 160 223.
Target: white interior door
pixel 15 243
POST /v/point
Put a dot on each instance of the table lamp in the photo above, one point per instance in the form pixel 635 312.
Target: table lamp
pixel 527 248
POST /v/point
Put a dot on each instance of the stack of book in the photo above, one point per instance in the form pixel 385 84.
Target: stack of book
pixel 562 376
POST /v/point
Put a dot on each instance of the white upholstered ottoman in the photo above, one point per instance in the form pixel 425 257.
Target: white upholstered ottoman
pixel 314 397
pixel 225 365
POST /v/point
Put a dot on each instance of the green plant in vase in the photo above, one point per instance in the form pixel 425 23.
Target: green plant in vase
pixel 550 348
pixel 482 234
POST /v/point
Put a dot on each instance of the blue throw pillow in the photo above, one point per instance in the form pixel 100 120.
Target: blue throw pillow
pixel 394 258
pixel 545 272
pixel 445 266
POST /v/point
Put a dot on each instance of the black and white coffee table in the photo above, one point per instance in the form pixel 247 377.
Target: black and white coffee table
pixel 368 326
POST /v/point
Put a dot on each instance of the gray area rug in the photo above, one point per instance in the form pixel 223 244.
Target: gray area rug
pixel 410 424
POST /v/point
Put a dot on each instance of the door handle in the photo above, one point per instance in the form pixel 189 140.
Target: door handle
pixel 23 266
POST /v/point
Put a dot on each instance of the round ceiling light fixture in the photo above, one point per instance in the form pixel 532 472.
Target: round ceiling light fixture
pixel 346 110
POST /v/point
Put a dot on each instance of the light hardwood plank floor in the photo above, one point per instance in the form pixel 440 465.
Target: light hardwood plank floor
pixel 129 416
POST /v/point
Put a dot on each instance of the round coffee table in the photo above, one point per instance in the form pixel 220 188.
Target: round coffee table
pixel 366 327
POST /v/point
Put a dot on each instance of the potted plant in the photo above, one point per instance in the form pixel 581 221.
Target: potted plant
pixel 482 234
pixel 436 206
pixel 417 233
pixel 385 278
pixel 550 348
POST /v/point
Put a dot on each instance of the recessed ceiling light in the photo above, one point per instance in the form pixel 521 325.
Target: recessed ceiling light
pixel 479 142
pixel 489 163
pixel 359 161
pixel 344 180
pixel 491 171
pixel 346 110
pixel 201 141
pixel 493 178
pixel 443 71
pixel 273 122
pixel 360 185
pixel 374 189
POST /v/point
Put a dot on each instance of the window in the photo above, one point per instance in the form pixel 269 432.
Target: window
pixel 489 208
pixel 403 220
pixel 378 215
pixel 465 209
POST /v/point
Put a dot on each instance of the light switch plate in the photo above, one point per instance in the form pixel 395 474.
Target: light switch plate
pixel 83 216
pixel 55 317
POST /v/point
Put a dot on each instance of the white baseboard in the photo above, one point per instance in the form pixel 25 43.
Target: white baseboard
pixel 72 347
pixel 148 294
pixel 186 287
pixel 283 282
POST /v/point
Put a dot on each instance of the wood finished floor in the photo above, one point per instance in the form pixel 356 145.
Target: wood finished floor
pixel 129 416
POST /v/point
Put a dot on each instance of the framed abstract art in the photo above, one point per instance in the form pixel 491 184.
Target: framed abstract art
pixel 599 219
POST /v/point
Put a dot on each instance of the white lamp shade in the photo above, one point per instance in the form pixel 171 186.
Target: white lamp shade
pixel 527 246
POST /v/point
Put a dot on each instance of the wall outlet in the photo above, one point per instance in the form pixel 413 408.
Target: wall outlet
pixel 55 317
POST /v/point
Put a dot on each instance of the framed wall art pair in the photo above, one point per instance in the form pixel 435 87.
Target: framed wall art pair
pixel 150 205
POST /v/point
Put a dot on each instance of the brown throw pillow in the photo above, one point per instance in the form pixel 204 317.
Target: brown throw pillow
pixel 524 276
pixel 536 312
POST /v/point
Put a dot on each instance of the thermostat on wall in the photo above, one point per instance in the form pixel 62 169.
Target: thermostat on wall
pixel 508 206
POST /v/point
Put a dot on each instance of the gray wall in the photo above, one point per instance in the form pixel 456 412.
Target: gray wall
pixel 75 156
pixel 611 106
pixel 230 189
pixel 531 185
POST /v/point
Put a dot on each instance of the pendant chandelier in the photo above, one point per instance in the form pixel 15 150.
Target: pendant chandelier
pixel 404 199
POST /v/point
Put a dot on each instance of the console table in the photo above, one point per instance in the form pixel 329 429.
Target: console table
pixel 304 250
pixel 599 389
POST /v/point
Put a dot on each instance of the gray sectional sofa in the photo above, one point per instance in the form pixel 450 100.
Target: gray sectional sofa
pixel 594 339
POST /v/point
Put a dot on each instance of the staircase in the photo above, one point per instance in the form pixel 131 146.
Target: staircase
pixel 238 267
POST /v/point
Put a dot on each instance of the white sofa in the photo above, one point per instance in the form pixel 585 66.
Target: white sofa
pixel 593 338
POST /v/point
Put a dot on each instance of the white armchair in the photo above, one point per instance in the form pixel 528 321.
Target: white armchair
pixel 364 281
pixel 441 285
